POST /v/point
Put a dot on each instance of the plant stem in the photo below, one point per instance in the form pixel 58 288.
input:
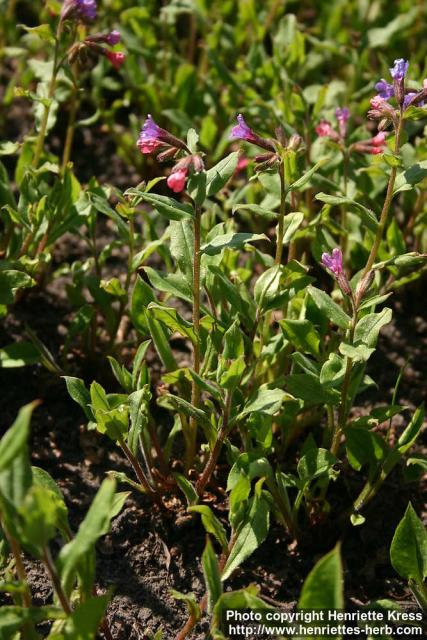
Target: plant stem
pixel 138 470
pixel 19 565
pixel 191 622
pixel 45 117
pixel 342 414
pixel 50 566
pixel 387 203
pixel 71 123
pixel 195 390
pixel 213 458
pixel 282 211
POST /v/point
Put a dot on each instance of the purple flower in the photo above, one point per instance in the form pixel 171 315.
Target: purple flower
pixel 385 89
pixel 242 131
pixel 342 114
pixel 84 10
pixel 333 261
pixel 408 98
pixel 112 38
pixel 149 138
pixel 399 69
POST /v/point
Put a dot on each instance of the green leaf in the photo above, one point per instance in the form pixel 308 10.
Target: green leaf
pixel 170 317
pixel 292 222
pixel 15 439
pixel 364 447
pixel 368 216
pixel 77 390
pixel 190 601
pixel 211 523
pixel 84 621
pixel 308 387
pixel 251 536
pixel 40 513
pixel 331 310
pixel 315 463
pixel 358 353
pixel 332 371
pixel 19 354
pixel 230 241
pixel 168 207
pixel 258 210
pixel 368 327
pixel 96 524
pixel 42 479
pixel 267 286
pixel 187 488
pixel 406 180
pixel 383 36
pixel 323 587
pixel 10 281
pixel 408 551
pixel 305 178
pixel 218 176
pixel 411 432
pixel 182 246
pixel 211 575
pixel 42 31
pixel 302 335
pixel 267 401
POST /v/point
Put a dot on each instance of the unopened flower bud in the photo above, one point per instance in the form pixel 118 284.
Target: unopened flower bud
pixel 364 285
pixel 294 142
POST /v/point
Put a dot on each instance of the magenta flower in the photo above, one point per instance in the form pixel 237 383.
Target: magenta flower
pixel 177 180
pixel 385 89
pixel 399 69
pixel 379 139
pixel 242 131
pixel 112 38
pixel 333 261
pixel 116 58
pixel 324 128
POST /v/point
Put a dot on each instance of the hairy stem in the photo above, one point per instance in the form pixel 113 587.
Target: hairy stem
pixel 213 458
pixel 282 211
pixel 50 566
pixel 195 390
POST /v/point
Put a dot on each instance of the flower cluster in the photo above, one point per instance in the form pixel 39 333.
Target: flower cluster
pixel 153 138
pixel 94 43
pixel 324 129
pixel 405 97
pixel 242 131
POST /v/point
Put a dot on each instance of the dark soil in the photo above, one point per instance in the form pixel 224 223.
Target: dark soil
pixel 149 552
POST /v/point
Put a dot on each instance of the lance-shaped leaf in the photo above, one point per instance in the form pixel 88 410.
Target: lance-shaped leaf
pixel 331 309
pixel 211 523
pixel 168 207
pixel 211 575
pixel 230 241
pixel 408 551
pixel 323 587
pixel 218 176
pixel 367 215
pixel 170 317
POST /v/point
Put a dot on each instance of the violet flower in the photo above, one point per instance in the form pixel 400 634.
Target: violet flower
pixel 333 261
pixel 385 89
pixel 153 136
pixel 399 69
pixel 112 38
pixel 84 10
pixel 242 131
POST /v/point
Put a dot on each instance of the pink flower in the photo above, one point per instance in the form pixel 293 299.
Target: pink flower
pixel 379 139
pixel 377 102
pixel 242 163
pixel 177 180
pixel 324 129
pixel 116 58
pixel 375 150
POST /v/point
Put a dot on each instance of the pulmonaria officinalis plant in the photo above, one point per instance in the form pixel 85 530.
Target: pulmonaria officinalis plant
pixel 219 317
